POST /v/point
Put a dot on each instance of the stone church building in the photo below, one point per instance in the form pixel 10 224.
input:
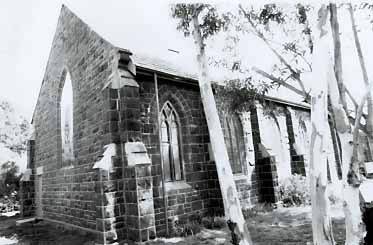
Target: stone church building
pixel 120 138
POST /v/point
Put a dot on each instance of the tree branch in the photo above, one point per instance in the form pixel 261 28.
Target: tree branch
pixel 295 74
pixel 283 83
pixel 298 54
pixel 361 126
pixel 352 98
pixel 295 52
pixel 337 55
pixel 308 33
pixel 356 105
pixel 369 121
pixel 306 26
pixel 359 114
pixel 358 46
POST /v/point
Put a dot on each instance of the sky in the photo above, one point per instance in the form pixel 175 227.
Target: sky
pixel 142 26
pixel 28 28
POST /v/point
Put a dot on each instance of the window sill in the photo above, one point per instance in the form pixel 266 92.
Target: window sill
pixel 239 176
pixel 177 185
pixel 67 167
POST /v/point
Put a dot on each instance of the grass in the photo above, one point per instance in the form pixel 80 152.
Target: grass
pixel 40 233
pixel 289 226
pixel 267 226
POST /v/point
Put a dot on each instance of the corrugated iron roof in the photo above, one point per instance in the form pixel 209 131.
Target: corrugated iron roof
pixel 161 65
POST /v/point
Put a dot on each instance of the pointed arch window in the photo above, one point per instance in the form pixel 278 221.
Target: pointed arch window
pixel 234 141
pixel 170 134
pixel 66 123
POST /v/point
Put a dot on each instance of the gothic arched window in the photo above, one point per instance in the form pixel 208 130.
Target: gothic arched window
pixel 234 141
pixel 170 134
pixel 67 130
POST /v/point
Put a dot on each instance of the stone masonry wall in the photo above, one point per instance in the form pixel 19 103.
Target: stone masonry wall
pixel 265 166
pixel 133 182
pixel 297 159
pixel 27 198
pixel 71 195
pixel 248 186
pixel 274 136
pixel 261 181
pixel 200 192
pixel 246 182
pixel 27 186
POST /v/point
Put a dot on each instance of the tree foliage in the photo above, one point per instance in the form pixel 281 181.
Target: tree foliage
pixel 210 22
pixel 270 12
pixel 9 179
pixel 242 94
pixel 285 31
pixel 241 91
pixel 14 129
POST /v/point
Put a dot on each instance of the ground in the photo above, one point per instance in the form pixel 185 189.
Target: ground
pixel 38 233
pixel 279 226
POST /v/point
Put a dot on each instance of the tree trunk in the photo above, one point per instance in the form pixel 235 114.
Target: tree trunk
pixel 337 54
pixel 232 206
pixel 321 222
pixel 369 120
pixel 354 226
pixel 351 207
